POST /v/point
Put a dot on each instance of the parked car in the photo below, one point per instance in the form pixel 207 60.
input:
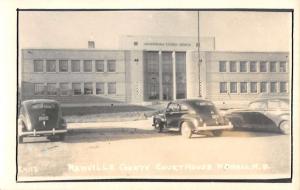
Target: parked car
pixel 190 117
pixel 41 117
pixel 271 114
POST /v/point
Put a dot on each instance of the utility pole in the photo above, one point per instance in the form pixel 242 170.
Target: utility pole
pixel 199 58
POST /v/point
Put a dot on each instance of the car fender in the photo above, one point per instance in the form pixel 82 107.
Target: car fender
pixel 192 120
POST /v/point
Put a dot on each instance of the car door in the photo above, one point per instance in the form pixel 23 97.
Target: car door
pixel 172 115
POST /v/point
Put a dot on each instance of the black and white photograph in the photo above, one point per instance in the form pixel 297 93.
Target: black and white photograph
pixel 157 94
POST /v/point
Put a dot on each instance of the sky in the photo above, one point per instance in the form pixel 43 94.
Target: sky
pixel 233 31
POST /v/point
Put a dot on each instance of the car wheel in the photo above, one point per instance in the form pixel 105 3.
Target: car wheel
pixel 158 126
pixel 21 139
pixel 217 133
pixel 285 127
pixel 186 130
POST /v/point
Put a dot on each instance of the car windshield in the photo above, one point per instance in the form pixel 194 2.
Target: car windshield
pixel 204 108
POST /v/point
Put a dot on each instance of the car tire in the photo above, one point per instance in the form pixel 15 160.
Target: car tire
pixel 158 126
pixel 186 130
pixel 217 133
pixel 21 139
pixel 285 127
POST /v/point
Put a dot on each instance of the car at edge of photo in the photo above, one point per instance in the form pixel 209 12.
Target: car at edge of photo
pixel 41 117
pixel 264 114
pixel 191 116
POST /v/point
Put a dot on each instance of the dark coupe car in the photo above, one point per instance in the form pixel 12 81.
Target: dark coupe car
pixel 41 117
pixel 263 115
pixel 191 116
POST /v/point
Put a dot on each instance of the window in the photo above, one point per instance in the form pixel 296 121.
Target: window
pixel 51 89
pixel 99 88
pixel 282 66
pixel 263 66
pixel 87 65
pixel 39 89
pixel 253 87
pixel 222 66
pixel 273 87
pixel 75 64
pixel 233 87
pixel 50 65
pixel 243 66
pixel 111 88
pixel 38 65
pixel 232 65
pixel 283 87
pixel 273 66
pixel 88 88
pixel 76 87
pixel 64 89
pixel 253 67
pixel 263 87
pixel 63 65
pixel 111 65
pixel 173 107
pixel 223 87
pixel 243 87
pixel 99 65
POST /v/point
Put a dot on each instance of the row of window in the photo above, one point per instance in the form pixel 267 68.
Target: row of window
pixel 253 87
pixel 253 66
pixel 75 88
pixel 63 65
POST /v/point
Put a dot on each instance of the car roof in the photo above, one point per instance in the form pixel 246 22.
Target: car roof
pixel 189 101
pixel 34 101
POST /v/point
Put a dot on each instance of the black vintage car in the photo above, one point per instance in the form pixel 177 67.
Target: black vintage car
pixel 270 115
pixel 191 116
pixel 41 117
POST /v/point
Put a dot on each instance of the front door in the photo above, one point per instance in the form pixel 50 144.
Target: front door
pixel 173 115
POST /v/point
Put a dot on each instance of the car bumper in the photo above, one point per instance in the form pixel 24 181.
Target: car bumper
pixel 41 133
pixel 214 127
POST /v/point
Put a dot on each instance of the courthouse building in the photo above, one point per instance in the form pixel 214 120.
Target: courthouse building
pixel 150 69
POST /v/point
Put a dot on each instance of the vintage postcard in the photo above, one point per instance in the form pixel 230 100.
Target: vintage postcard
pixel 179 95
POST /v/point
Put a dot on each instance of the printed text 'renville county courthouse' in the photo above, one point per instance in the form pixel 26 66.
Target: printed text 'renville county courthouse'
pixel 148 69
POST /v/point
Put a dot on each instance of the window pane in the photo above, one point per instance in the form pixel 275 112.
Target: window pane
pixel 76 87
pixel 111 65
pixel 223 87
pixel 51 89
pixel 64 88
pixel 253 66
pixel 263 66
pixel 253 87
pixel 38 65
pixel 263 87
pixel 243 66
pixel 99 88
pixel 75 64
pixel 272 66
pixel 222 66
pixel 273 87
pixel 283 87
pixel 243 86
pixel 232 66
pixel 88 88
pixel 39 89
pixel 233 87
pixel 50 65
pixel 111 88
pixel 282 66
pixel 63 65
pixel 99 65
pixel 87 65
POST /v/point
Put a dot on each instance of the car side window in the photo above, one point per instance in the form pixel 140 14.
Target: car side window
pixel 173 107
pixel 184 108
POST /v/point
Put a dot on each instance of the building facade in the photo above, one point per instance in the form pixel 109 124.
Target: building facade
pixel 148 69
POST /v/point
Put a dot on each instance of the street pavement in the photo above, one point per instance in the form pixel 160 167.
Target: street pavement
pixel 132 149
